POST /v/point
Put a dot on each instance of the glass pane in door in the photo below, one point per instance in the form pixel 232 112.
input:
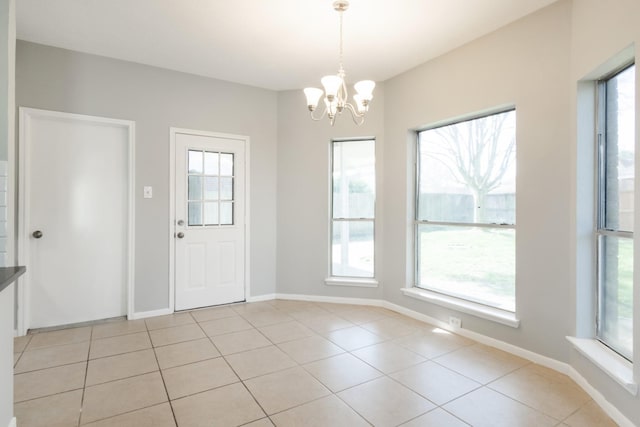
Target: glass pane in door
pixel 195 161
pixel 195 213
pixel 210 179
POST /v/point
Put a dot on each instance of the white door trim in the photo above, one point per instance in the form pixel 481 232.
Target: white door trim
pixel 173 131
pixel 24 143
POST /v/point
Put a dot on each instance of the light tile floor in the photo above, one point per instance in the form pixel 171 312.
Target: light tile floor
pixel 284 363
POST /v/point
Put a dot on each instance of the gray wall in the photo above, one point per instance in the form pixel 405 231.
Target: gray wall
pixel 525 65
pixel 4 70
pixel 304 193
pixel 157 99
pixel 601 31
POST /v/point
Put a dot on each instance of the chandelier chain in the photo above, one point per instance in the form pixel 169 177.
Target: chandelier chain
pixel 341 49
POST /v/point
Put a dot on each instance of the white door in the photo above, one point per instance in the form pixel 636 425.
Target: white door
pixel 209 220
pixel 75 201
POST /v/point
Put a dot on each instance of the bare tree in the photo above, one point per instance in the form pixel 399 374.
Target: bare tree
pixel 477 156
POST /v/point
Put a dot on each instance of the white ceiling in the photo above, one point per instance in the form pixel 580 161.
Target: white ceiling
pixel 274 44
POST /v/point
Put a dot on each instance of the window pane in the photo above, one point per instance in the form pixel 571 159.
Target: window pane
pixel 352 249
pixel 467 171
pixel 211 188
pixel 195 187
pixel 226 188
pixel 620 152
pixel 615 326
pixel 195 161
pixel 195 213
pixel 616 172
pixel 211 213
pixel 211 163
pixel 226 164
pixel 471 263
pixel 354 179
pixel 226 213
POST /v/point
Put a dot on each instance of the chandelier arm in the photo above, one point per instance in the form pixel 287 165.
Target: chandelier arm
pixel 324 112
pixel 343 95
pixel 354 111
pixel 358 118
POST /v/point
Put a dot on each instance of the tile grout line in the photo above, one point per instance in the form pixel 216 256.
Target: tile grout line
pixel 331 392
pixel 255 400
pixel 298 365
pixel 86 374
pixel 436 406
pixel 243 382
pixel 129 377
pixel 282 370
pixel 336 394
pixel 166 390
pixel 522 403
pixel 124 413
pixel 452 414
pixel 577 410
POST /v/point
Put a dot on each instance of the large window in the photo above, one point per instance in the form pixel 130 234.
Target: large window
pixel 353 208
pixel 466 210
pixel 615 210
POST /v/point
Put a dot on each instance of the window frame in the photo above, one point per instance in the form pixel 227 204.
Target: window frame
pixel 203 175
pixel 438 296
pixel 343 280
pixel 601 232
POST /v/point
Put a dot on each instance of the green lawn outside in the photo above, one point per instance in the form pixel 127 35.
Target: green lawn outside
pixel 473 263
pixel 625 278
pixel 479 263
pixel 616 328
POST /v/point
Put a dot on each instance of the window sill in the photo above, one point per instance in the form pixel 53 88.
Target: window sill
pixel 618 368
pixel 349 281
pixel 474 309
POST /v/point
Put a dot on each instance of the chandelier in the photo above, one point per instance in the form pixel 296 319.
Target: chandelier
pixel 335 92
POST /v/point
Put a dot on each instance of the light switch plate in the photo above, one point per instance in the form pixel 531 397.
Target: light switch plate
pixel 148 192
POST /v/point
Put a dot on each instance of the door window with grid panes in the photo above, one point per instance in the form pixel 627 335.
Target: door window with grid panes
pixel 210 188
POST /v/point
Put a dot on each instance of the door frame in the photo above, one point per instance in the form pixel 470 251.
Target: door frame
pixel 24 189
pixel 173 131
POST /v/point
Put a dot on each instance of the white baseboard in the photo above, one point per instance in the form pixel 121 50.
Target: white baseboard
pixel 606 406
pixel 483 339
pixel 152 313
pixel 334 300
pixel 13 422
pixel 260 298
pixel 539 359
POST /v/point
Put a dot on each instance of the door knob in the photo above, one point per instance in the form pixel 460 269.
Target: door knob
pixel 180 235
pixel 37 234
pixel 180 222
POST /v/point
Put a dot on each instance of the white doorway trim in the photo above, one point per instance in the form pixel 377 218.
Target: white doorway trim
pixel 24 142
pixel 173 131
